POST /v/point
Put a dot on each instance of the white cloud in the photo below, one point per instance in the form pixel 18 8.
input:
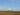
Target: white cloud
pixel 9 8
pixel 0 8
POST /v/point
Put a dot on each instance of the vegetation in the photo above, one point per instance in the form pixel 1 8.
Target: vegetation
pixel 9 13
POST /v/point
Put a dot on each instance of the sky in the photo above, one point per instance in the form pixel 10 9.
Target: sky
pixel 10 4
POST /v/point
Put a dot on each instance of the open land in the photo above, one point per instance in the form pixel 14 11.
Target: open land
pixel 9 13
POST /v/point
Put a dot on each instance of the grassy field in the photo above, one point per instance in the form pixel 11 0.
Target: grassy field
pixel 9 13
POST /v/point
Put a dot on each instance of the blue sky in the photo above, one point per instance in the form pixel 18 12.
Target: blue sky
pixel 10 4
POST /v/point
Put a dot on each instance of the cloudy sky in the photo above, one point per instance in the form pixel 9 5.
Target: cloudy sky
pixel 10 4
